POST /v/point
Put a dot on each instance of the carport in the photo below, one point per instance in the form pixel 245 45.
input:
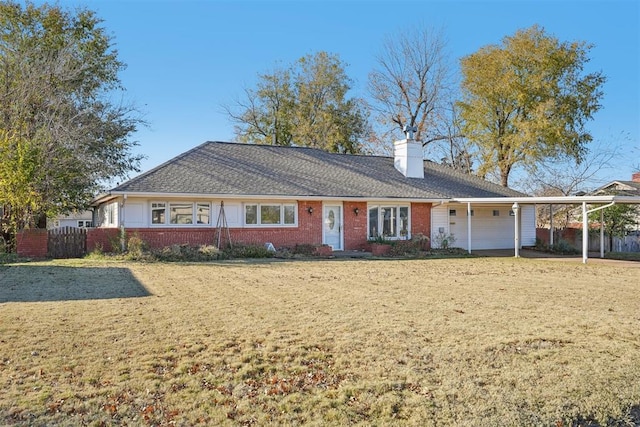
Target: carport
pixel 589 204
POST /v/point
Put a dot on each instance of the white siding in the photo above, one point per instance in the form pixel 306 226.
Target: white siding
pixel 232 211
pixel 488 231
pixel 135 214
pixel 439 221
pixel 528 225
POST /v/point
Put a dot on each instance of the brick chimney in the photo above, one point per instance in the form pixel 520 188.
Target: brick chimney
pixel 407 154
pixel 635 177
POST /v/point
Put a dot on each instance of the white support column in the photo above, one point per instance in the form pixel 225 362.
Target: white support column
pixel 516 239
pixel 469 226
pixel 602 234
pixel 551 225
pixel 585 233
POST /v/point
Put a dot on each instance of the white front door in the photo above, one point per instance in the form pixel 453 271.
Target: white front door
pixel 332 228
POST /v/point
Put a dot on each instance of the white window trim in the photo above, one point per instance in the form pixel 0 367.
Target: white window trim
pixel 398 223
pixel 167 214
pixel 258 215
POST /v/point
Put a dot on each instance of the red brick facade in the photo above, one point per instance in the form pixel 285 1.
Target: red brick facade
pixel 355 229
pixel 102 238
pixel 421 219
pixel 32 243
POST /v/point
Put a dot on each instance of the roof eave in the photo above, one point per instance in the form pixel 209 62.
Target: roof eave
pixel 153 195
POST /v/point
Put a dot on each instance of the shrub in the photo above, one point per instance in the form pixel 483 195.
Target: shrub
pixel 563 248
pixel 444 240
pixel 136 247
pixel 250 251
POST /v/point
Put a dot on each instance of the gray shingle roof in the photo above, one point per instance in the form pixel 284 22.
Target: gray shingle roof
pixel 223 168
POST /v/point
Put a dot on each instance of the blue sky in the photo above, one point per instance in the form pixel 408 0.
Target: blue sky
pixel 187 58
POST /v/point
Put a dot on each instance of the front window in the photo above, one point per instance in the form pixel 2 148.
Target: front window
pixel 202 213
pixel 270 214
pixel 158 212
pixel 181 213
pixel 389 221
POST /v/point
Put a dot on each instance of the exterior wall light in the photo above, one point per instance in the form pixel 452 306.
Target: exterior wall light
pixel 310 210
pixel 356 211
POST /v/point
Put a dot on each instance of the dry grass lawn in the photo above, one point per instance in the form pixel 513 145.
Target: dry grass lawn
pixel 478 341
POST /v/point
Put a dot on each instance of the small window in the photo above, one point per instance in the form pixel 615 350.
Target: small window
pixel 202 213
pixel 496 212
pixel 289 214
pixel 88 224
pixel 158 213
pixel 81 224
pixel 251 214
pixel 452 212
pixel 111 214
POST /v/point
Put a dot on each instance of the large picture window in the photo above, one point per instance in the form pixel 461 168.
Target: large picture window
pixel 180 213
pixel 270 214
pixel 389 222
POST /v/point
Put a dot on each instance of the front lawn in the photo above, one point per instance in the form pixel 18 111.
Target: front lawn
pixel 471 341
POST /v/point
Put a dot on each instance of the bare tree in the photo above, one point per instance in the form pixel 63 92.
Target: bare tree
pixel 566 177
pixel 411 86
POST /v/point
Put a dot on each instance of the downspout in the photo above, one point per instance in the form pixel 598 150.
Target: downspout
pixel 123 237
pixel 585 228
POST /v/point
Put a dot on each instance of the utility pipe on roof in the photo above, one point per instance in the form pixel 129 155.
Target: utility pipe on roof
pixel 585 228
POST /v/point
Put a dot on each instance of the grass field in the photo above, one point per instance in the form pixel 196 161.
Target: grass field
pixel 477 341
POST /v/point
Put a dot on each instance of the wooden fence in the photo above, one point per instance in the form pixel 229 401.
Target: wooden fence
pixel 67 242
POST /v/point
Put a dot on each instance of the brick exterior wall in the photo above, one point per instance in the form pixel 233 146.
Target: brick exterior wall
pixel 421 219
pixel 102 238
pixel 355 229
pixel 309 231
pixel 32 243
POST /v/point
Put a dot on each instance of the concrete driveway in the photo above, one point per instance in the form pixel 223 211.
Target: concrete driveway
pixel 594 257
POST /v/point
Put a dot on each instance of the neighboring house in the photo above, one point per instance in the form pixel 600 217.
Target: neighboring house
pixel 293 195
pixel 82 219
pixel 621 188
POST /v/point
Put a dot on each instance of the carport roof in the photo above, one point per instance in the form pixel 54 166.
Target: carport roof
pixel 559 200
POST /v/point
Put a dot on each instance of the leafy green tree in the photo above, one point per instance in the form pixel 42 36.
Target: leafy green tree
pixel 305 104
pixel 618 220
pixel 528 100
pixel 61 136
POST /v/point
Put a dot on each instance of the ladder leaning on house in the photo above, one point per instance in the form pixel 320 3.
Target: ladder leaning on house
pixel 222 229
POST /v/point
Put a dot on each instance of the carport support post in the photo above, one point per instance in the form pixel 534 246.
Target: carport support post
pixel 516 240
pixel 551 225
pixel 469 226
pixel 585 233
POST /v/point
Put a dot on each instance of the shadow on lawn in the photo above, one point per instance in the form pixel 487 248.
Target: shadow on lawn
pixel 33 283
